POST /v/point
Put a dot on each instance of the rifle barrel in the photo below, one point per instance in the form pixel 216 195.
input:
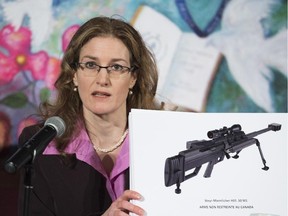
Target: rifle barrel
pixel 273 126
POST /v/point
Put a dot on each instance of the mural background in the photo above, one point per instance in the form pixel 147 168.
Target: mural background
pixel 251 38
pixel 34 35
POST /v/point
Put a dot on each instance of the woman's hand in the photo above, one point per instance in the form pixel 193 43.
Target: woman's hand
pixel 122 206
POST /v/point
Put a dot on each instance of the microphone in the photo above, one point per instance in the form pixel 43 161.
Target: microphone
pixel 53 126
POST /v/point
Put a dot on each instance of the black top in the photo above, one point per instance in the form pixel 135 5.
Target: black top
pixel 64 187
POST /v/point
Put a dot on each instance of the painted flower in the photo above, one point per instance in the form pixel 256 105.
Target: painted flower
pixel 67 36
pixel 16 56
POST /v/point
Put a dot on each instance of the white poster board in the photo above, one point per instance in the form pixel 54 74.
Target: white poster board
pixel 237 187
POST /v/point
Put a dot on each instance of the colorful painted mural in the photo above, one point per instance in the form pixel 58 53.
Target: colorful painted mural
pixel 246 39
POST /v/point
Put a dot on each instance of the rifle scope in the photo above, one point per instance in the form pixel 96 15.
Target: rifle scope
pixel 223 131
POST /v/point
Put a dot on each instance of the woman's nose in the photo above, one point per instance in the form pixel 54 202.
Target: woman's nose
pixel 102 77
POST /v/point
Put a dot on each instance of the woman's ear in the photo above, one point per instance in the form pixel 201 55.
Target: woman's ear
pixel 75 80
pixel 133 80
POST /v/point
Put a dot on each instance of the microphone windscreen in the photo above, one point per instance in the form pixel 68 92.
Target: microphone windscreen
pixel 57 123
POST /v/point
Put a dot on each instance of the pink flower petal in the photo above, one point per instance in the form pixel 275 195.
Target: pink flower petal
pixel 15 41
pixel 37 64
pixel 67 36
pixel 8 69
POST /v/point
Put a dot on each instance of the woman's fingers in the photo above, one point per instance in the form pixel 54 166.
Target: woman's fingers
pixel 125 204
pixel 131 195
pixel 122 206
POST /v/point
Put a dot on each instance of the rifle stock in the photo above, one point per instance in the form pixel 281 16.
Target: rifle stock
pixel 223 142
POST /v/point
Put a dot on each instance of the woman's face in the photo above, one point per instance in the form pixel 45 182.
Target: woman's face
pixel 100 92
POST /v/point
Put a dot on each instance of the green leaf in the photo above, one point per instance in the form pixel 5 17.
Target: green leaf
pixel 15 100
pixel 44 94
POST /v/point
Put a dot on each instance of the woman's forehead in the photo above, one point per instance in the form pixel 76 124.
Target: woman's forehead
pixel 101 47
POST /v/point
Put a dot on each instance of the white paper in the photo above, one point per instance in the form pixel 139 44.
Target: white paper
pixel 236 187
pixel 188 82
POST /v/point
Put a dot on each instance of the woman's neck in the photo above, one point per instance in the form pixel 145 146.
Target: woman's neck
pixel 107 138
pixel 105 131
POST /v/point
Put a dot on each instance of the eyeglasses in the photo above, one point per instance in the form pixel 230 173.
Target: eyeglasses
pixel 91 69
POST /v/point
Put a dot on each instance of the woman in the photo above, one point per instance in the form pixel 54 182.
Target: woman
pixel 106 71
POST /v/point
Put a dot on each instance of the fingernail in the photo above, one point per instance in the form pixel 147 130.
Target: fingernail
pixel 142 212
pixel 140 197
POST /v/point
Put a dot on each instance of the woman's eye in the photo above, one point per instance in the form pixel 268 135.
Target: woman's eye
pixel 90 65
pixel 117 67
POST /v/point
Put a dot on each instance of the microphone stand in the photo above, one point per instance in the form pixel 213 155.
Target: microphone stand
pixel 28 187
pixel 27 182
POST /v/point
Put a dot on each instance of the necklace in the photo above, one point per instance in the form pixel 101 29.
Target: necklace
pixel 112 148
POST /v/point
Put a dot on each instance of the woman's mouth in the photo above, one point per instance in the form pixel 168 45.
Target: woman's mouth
pixel 100 94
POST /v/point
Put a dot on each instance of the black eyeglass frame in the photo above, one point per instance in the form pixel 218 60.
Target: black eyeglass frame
pixel 108 68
